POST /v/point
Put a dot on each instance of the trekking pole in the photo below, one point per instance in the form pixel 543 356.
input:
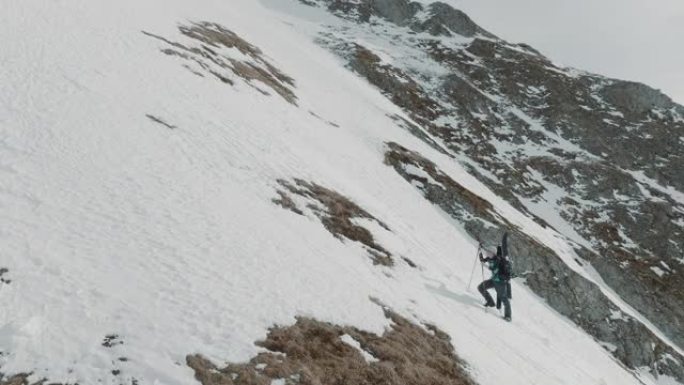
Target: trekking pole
pixel 472 272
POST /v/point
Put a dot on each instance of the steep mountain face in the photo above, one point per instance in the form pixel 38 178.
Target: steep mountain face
pixel 598 159
pixel 292 192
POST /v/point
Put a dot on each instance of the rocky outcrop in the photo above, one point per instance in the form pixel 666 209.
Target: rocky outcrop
pixel 542 269
pixel 635 98
pixel 399 12
pixel 444 20
pixel 599 158
pixel 437 19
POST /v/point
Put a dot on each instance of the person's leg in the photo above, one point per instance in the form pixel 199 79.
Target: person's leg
pixel 508 290
pixel 482 288
pixel 507 308
pixel 501 293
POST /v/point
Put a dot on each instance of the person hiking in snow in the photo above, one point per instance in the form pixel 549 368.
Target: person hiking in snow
pixel 500 267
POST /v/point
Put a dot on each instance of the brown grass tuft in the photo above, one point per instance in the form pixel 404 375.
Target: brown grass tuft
pixel 311 352
pixel 336 212
pixel 399 157
pixel 210 39
pixel 19 379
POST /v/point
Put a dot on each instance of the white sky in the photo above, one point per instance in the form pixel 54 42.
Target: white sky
pixel 641 40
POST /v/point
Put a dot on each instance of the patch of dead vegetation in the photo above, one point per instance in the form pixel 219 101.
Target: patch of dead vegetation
pixel 210 53
pixel 419 132
pixel 23 379
pixel 312 352
pixel 401 88
pixel 337 214
pixel 400 157
pixel 18 379
pixel 442 189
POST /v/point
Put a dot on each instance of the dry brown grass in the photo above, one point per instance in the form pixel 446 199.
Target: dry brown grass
pixel 336 212
pixel 398 157
pixel 210 39
pixel 19 379
pixel 397 85
pixel 311 352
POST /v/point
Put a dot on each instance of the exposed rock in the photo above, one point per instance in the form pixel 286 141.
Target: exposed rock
pixel 439 19
pixel 445 20
pixel 3 276
pixel 542 269
pixel 635 98
pixel 397 85
pixel 399 12
pixel 111 340
pixel 591 149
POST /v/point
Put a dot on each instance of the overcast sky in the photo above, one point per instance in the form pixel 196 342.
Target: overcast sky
pixel 641 40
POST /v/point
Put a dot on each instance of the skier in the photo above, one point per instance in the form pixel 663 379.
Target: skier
pixel 500 267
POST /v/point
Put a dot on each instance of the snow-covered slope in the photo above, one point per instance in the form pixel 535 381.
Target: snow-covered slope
pixel 139 165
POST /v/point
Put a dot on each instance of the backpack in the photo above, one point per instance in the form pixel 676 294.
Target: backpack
pixel 505 269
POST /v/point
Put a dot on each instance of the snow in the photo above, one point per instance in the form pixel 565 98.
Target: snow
pixel 640 176
pixel 608 346
pixel 113 224
pixel 647 377
pixel 419 172
pixel 659 272
pixel 349 340
pixel 617 315
pixel 610 122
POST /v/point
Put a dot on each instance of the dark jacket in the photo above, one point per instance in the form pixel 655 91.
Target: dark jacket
pixel 499 266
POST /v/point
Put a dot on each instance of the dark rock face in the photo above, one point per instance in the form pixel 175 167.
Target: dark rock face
pixel 400 87
pixel 543 270
pixel 444 20
pixel 598 159
pixel 396 11
pixel 399 12
pixel 635 98
pixel 441 19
